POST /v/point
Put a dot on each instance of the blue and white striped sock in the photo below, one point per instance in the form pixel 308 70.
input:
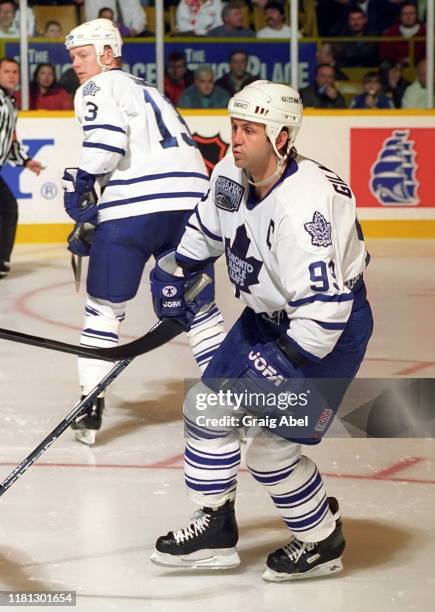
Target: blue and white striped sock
pixel 100 330
pixel 210 468
pixel 206 334
pixel 294 484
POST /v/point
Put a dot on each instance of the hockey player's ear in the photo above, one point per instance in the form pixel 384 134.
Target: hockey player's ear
pixel 107 58
pixel 281 140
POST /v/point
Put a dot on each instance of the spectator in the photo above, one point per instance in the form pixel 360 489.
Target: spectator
pixel 373 97
pixel 415 95
pixel 177 76
pixel 393 83
pixel 234 80
pixel 204 93
pixel 8 27
pixel 52 29
pixel 274 15
pixel 197 17
pixel 45 93
pixel 380 13
pixel 232 17
pixel 325 55
pixel 332 15
pixel 408 26
pixel 132 15
pixel 360 52
pixel 323 93
pixel 108 13
pixel 10 20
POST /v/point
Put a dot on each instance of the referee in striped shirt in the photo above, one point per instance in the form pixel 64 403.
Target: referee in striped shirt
pixel 10 149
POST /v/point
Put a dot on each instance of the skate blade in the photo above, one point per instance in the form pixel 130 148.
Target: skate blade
pixel 85 436
pixel 224 558
pixel 325 569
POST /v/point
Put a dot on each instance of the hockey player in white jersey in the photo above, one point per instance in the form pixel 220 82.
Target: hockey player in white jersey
pixel 295 256
pixel 151 173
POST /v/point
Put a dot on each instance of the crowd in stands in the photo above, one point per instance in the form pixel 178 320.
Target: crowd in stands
pixel 355 68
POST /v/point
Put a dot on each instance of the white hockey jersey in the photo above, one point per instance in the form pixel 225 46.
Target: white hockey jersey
pixel 299 250
pixel 139 145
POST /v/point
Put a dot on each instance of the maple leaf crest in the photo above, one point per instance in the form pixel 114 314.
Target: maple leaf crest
pixel 242 270
pixel 320 230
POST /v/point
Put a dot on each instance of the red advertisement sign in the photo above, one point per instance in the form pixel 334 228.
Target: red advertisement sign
pixel 392 167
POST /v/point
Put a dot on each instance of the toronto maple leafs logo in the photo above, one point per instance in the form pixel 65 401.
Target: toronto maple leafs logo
pixel 90 89
pixel 242 270
pixel 320 230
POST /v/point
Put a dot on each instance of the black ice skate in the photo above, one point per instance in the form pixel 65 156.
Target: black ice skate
pixel 300 560
pixel 208 542
pixel 88 423
pixel 4 268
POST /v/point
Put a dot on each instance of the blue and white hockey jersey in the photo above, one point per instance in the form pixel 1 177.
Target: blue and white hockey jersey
pixel 138 144
pixel 299 250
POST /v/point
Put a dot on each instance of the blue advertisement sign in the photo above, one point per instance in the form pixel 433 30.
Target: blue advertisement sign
pixel 267 59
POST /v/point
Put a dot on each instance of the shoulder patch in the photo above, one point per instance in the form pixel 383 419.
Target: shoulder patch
pixel 228 194
pixel 320 230
pixel 90 89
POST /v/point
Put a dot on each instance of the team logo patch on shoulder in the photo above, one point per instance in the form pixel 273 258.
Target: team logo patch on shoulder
pixel 90 89
pixel 320 230
pixel 228 194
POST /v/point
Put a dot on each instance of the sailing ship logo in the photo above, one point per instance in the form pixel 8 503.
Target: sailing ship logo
pixel 393 175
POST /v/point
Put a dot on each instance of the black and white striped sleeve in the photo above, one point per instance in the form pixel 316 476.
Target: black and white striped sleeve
pixel 17 153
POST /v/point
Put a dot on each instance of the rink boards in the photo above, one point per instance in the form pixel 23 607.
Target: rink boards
pixel 384 155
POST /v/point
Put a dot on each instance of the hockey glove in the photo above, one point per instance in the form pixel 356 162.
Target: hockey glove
pixel 168 287
pixel 80 199
pixel 278 395
pixel 80 239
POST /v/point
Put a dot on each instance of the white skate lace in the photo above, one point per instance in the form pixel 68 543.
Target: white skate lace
pixel 295 549
pixel 194 529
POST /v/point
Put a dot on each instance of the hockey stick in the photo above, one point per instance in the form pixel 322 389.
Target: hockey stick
pixel 160 334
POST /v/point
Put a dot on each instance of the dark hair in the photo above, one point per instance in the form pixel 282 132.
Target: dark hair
pixel 34 82
pixel 230 6
pixel 106 8
pixel 356 9
pixel 317 68
pixel 177 56
pixel 275 5
pixel 34 87
pixel 408 4
pixel 238 52
pixel 9 60
pixel 371 74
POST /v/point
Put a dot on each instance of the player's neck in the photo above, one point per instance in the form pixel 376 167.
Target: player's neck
pixel 268 175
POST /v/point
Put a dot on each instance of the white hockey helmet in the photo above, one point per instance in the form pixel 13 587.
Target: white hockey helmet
pixel 99 33
pixel 275 105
